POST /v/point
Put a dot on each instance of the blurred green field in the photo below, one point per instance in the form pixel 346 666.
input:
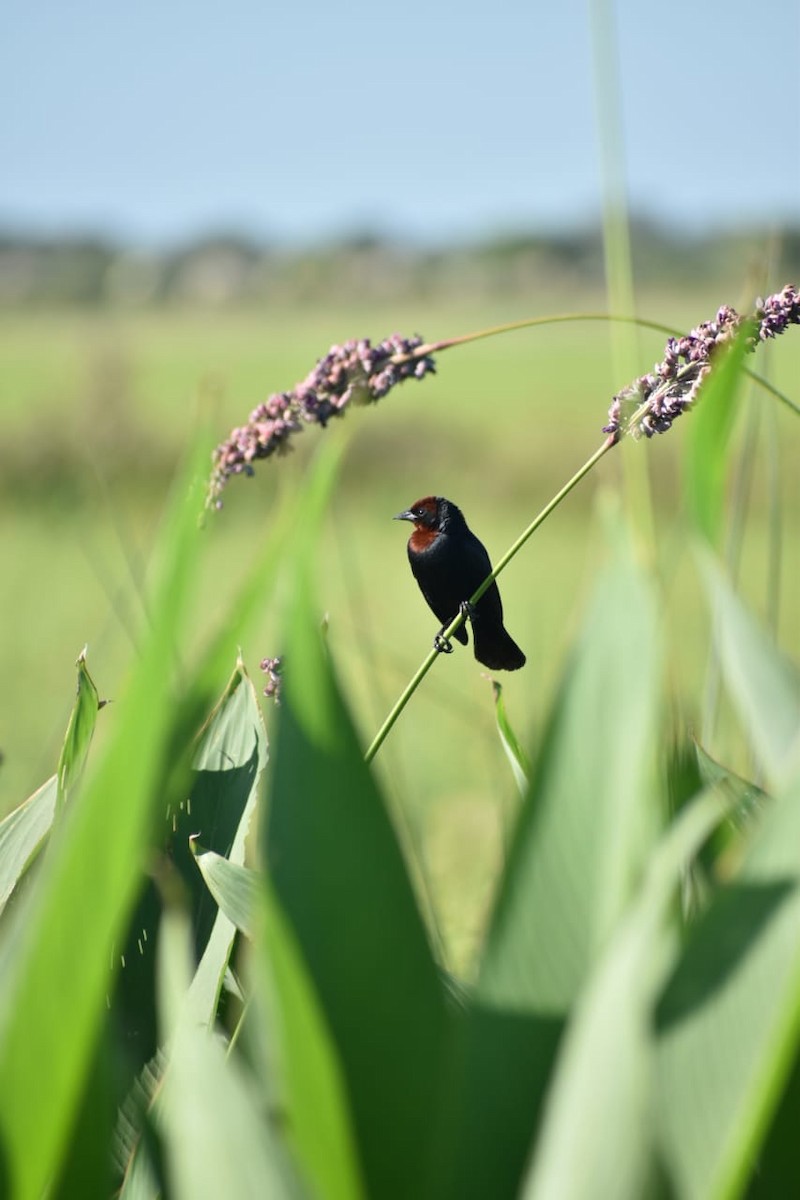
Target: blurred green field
pixel 99 407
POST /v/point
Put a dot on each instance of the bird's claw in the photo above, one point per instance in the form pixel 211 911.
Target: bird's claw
pixel 442 644
pixel 466 610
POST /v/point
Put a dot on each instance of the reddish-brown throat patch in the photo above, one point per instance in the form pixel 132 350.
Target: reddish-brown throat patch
pixel 421 538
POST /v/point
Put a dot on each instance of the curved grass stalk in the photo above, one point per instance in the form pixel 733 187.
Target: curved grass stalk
pixel 563 318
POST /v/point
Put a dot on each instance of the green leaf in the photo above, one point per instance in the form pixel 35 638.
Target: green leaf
pixel 217 805
pixel 136 1143
pixel 57 976
pixel 227 766
pixel 778 1172
pixel 218 1141
pixel 141 1182
pixel 311 1086
pixel 236 889
pixel 87 1169
pixel 22 833
pixel 747 797
pixel 763 684
pixel 227 761
pixel 299 1049
pixel 727 1022
pixel 586 826
pixel 596 1134
pixel 514 753
pixel 79 731
pixel 339 877
pixel 582 837
pixel 709 437
pixel 230 756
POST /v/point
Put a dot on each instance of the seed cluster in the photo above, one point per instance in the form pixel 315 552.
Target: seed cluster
pixel 355 372
pixel 273 669
pixel 672 386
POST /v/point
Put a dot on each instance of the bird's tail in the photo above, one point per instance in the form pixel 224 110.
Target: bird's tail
pixel 495 648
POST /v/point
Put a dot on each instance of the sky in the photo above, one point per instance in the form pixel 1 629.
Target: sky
pixel 158 121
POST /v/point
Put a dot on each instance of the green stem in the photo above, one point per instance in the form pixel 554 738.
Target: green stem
pixel 502 563
pixel 562 318
pixel 617 253
pixel 529 323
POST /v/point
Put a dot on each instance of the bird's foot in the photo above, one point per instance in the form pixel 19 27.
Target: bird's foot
pixel 442 644
pixel 467 611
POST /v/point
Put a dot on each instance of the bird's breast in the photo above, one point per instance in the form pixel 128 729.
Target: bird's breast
pixel 422 539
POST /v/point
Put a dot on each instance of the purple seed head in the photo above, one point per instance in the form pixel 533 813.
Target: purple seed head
pixel 273 669
pixel 354 373
pixel 672 387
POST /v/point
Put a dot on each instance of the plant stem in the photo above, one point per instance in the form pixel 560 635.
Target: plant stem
pixel 617 252
pixel 561 319
pixel 502 563
pixel 530 323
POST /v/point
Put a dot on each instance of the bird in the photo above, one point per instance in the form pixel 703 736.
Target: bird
pixel 449 563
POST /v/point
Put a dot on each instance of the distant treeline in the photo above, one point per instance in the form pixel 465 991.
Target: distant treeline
pixel 226 268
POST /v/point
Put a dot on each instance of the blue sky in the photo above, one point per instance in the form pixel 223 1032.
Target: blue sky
pixel 439 121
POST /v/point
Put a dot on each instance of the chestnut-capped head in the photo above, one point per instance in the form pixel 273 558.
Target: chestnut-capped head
pixel 432 514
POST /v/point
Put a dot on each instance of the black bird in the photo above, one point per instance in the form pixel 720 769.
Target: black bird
pixel 449 564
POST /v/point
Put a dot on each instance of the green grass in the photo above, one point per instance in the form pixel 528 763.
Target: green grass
pixel 97 408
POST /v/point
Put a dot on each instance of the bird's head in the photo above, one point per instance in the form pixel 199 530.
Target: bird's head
pixel 424 513
pixel 432 514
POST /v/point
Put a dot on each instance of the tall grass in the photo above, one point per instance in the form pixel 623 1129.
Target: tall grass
pixel 179 1019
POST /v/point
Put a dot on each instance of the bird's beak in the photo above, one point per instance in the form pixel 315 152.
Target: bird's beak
pixel 405 516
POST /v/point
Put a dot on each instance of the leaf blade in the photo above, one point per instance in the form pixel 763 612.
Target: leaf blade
pixel 763 684
pixel 727 1022
pixel 709 437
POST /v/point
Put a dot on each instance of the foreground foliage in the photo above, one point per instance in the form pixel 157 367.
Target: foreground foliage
pixel 632 1024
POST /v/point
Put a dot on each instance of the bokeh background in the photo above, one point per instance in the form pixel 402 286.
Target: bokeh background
pixel 197 200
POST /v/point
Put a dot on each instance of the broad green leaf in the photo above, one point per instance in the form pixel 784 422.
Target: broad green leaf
pixel 79 731
pixel 339 876
pixel 709 436
pixel 87 1169
pixel 137 1147
pixel 683 783
pixel 236 889
pixel 514 753
pixel 581 841
pixel 228 761
pixel 778 1170
pixel 140 1182
pixel 217 805
pixel 763 684
pixel 22 833
pixel 596 1138
pixel 233 627
pixel 310 1087
pixel 748 798
pixel 727 1022
pixel 57 979
pixel 217 1135
pixel 589 818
